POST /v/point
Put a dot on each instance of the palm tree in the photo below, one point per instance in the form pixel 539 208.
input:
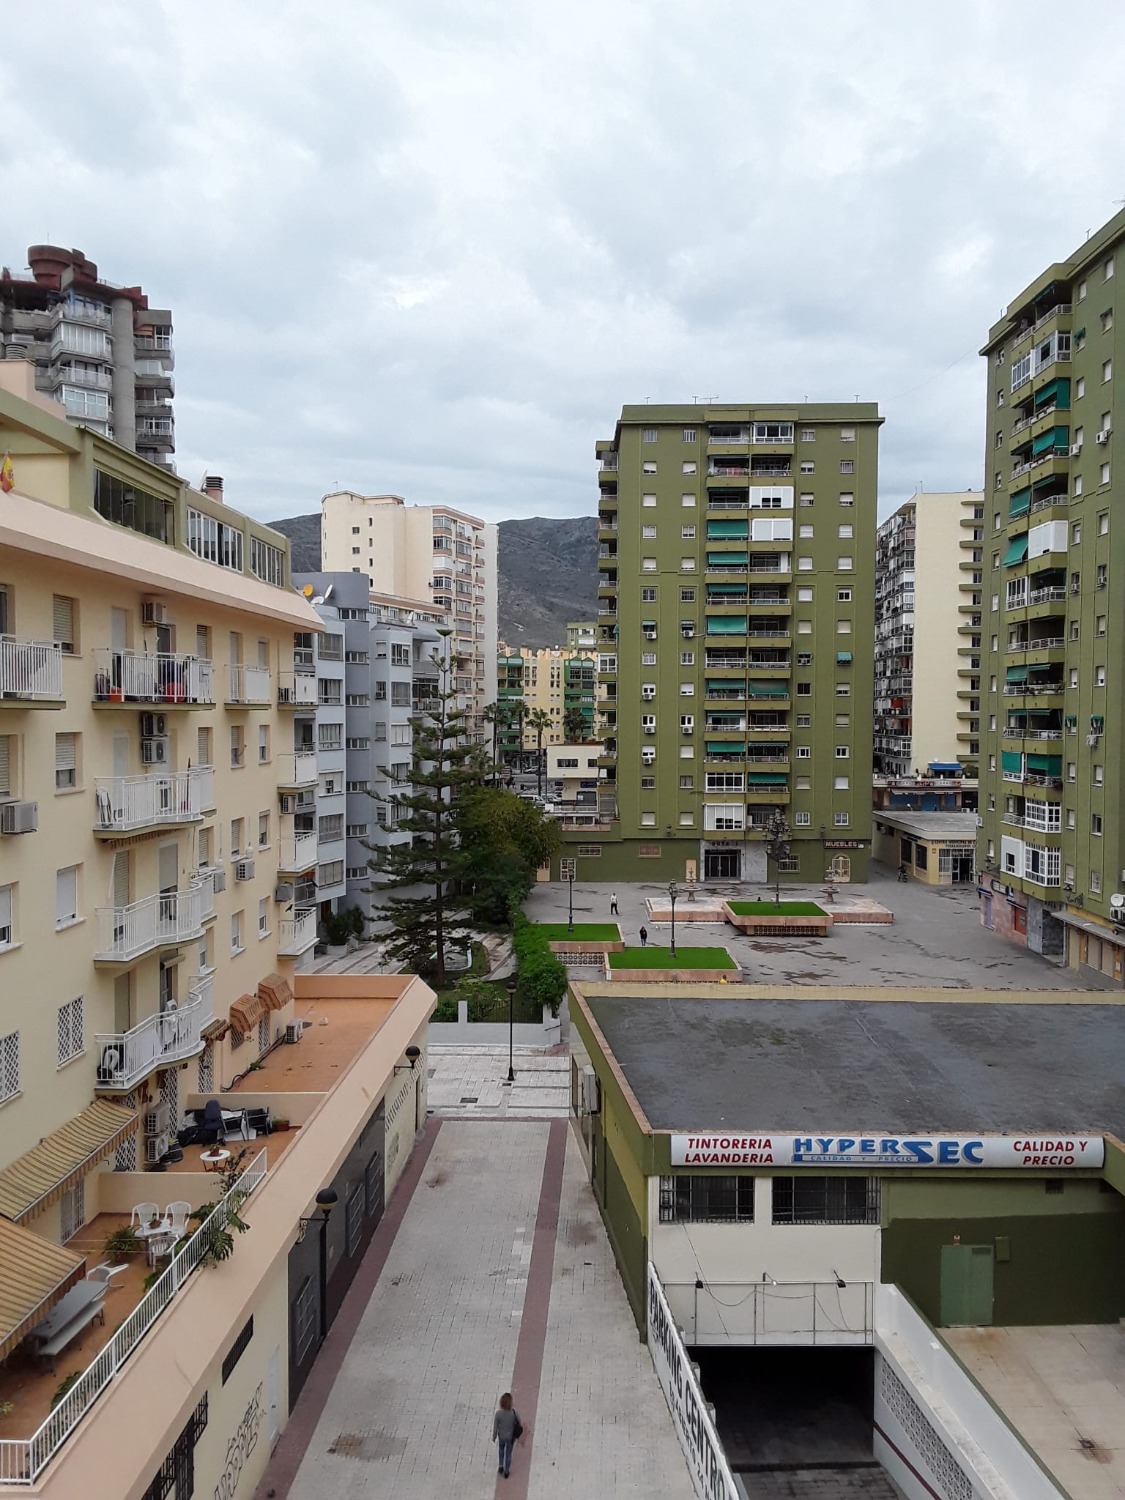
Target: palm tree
pixel 539 720
pixel 496 714
pixel 575 724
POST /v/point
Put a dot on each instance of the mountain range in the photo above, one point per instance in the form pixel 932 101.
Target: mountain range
pixel 547 572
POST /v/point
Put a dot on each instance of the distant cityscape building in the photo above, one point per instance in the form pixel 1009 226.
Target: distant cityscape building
pixel 927 674
pixel 97 348
pixel 582 635
pixel 430 553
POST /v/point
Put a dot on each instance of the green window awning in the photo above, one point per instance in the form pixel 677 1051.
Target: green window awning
pixel 736 589
pixel 843 658
pixel 1071 721
pixel 1059 389
pixel 1017 550
pixel 736 531
pixel 1055 438
pixel 767 690
pixel 1097 723
pixel 1041 667
pixel 725 747
pixel 1011 760
pixel 766 778
pixel 728 559
pixel 725 684
pixel 1016 674
pixel 726 624
pixel 1019 504
pixel 1046 765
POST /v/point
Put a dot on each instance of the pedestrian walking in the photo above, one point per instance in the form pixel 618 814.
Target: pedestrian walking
pixel 613 904
pixel 506 1427
pixel 644 937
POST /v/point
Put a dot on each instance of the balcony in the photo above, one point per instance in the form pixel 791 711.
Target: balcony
pixel 128 932
pixel 30 673
pixel 296 768
pixel 160 677
pixel 250 686
pixel 297 853
pixel 169 799
pixel 297 934
pixel 125 1058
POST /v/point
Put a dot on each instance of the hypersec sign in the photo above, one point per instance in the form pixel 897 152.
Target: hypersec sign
pixel 860 1150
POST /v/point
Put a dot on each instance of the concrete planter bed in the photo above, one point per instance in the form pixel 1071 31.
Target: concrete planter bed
pixel 790 919
pixel 690 965
pixel 588 938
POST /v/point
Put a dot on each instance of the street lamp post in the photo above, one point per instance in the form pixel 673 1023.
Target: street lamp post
pixel 672 894
pixel 570 900
pixel 325 1200
pixel 511 987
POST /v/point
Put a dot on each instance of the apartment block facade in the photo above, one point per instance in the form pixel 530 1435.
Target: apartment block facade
pixel 735 615
pixel 96 348
pixel 927 670
pixel 1052 844
pixel 427 553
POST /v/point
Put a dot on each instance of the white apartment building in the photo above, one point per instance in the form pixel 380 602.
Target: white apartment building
pixel 431 553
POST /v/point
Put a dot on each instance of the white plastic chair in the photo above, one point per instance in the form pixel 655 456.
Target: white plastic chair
pixel 105 1273
pixel 176 1215
pixel 143 1215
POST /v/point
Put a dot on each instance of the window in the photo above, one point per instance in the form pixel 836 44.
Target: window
pixel 689 434
pixel 1103 474
pixel 1075 533
pixel 687 689
pixel 71 1034
pixel 9 1066
pixel 263 918
pixel 648 820
pixel 267 562
pixel 804 783
pixel 1107 320
pixel 805 498
pixel 236 931
pixel 648 658
pixel 804 596
pixel 648 596
pixel 66 896
pixel 64 618
pixel 648 435
pixel 842 751
pixel 840 819
pixel 1080 387
pixel 804 752
pixel 839 783
pixel 804 531
pixel 1095 882
pixel 214 541
pixel 1099 775
pixel 843 564
pixel 648 533
pixel 66 761
pixel 687 501
pixel 802 820
pixel 648 564
pixel 649 466
pixel 1107 269
pixel 692 1199
pixel 808 466
pixel 330 647
pixel 687 533
pixel 847 466
pixel 1107 370
pixel 808 434
pixel 687 658
pixel 804 564
pixel 1099 677
pixel 844 530
pixel 825 1200
pixel 804 721
pixel 687 564
pixel 648 783
pixel 306 1319
pixel 804 690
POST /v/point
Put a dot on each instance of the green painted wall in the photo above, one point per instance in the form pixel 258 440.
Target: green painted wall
pixel 621 860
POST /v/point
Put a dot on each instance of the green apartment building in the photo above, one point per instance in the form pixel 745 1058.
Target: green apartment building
pixel 735 598
pixel 1052 840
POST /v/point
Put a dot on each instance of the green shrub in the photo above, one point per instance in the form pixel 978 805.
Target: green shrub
pixel 64 1385
pixel 122 1244
pixel 542 979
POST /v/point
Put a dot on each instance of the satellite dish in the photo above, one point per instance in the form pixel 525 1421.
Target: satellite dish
pixel 307 590
pixel 320 598
pixel 328 592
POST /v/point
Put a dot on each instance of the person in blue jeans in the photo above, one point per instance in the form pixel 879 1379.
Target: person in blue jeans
pixel 506 1427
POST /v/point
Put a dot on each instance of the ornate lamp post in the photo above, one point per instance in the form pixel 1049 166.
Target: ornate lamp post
pixel 673 892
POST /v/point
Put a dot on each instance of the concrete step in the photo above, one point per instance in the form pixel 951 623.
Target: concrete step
pixel 869 1481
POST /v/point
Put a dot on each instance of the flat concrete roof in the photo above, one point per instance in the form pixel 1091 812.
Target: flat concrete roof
pixel 793 1063
pixel 929 825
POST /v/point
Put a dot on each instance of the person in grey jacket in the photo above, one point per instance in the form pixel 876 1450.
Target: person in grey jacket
pixel 506 1427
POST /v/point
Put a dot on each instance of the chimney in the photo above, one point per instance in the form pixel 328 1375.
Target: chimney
pixel 213 487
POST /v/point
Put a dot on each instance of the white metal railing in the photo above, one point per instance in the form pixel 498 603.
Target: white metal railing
pixel 124 1058
pixel 23 1460
pixel 297 852
pixel 251 684
pixel 97 380
pixel 296 768
pixel 297 934
pixel 296 689
pixel 1014 732
pixel 128 802
pixel 161 341
pixel 1054 312
pixel 125 932
pixel 152 677
pixel 30 669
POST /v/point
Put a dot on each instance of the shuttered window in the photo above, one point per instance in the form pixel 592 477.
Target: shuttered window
pixel 5 765
pixel 66 895
pixel 66 760
pixel 6 937
pixel 63 615
pixel 121 878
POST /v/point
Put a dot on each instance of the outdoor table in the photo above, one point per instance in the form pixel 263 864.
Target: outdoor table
pixel 214 1159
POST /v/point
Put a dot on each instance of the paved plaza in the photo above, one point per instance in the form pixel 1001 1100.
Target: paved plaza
pixel 499 1276
pixel 471 1082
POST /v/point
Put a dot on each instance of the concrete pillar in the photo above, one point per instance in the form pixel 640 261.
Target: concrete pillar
pixel 124 373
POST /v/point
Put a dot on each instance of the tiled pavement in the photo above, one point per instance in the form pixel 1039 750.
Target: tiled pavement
pixel 471 1082
pixel 500 1274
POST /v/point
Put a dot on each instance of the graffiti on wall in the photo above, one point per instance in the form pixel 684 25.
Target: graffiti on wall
pixel 240 1447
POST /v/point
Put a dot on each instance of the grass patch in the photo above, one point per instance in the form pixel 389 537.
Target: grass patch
pixel 660 958
pixel 584 932
pixel 769 909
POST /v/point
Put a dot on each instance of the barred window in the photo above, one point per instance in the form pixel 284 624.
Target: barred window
pixel 9 1065
pixel 695 1199
pixel 71 1031
pixel 353 1222
pixel 825 1200
pixel 305 1319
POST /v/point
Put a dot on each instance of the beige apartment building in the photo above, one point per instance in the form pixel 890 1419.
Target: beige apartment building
pixel 538 678
pixel 150 942
pixel 433 554
pixel 928 572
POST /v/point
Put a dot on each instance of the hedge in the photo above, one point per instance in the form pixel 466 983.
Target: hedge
pixel 542 979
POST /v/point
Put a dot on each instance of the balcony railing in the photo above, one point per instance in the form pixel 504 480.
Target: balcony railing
pixel 296 768
pixel 251 684
pixel 124 803
pixel 23 1460
pixel 125 1058
pixel 162 677
pixel 127 932
pixel 298 852
pixel 1014 732
pixel 31 670
pixel 297 933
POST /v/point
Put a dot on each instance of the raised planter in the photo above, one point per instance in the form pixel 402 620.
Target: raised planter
pixel 712 966
pixel 765 919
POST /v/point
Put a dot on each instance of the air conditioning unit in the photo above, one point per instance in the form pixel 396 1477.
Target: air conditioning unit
pixel 293 1031
pixel 287 802
pixel 1101 438
pixel 687 728
pixel 648 694
pixel 687 631
pixel 650 634
pixel 156 1119
pixel 154 726
pixel 19 817
pixel 153 612
pixel 283 891
pixel 591 1093
pixel 1091 740
pixel 1076 450
pixel 154 752
pixel 1076 588
pixel 244 869
pixel 156 1147
pixel 218 880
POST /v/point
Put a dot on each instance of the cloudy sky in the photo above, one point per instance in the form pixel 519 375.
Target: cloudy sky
pixel 431 247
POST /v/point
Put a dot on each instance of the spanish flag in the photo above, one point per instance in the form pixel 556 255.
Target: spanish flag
pixel 7 474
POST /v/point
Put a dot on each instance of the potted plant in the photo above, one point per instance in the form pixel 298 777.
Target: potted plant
pixel 280 1125
pixel 338 927
pixel 121 1245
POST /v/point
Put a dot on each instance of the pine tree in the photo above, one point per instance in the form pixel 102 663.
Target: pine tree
pixel 445 764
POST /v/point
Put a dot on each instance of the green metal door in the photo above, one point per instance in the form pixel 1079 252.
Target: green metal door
pixel 966 1285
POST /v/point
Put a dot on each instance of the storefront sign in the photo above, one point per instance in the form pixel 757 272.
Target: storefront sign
pixel 844 844
pixel 706 1461
pixel 887 1151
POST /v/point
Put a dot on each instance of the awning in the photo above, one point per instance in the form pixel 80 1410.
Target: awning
pixel 945 765
pixel 215 1030
pixel 34 1275
pixel 766 778
pixel 1055 437
pixel 1058 389
pixel 275 991
pixel 1045 765
pixel 767 690
pixel 40 1176
pixel 1020 503
pixel 735 530
pixel 1011 760
pixel 1017 550
pixel 843 657
pixel 728 559
pixel 726 624
pixel 1016 674
pixel 246 1012
pixel 724 747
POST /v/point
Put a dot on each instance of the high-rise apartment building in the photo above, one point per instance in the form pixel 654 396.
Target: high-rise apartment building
pixel 97 348
pixel 1052 845
pixel 736 587
pixel 927 673
pixel 425 552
